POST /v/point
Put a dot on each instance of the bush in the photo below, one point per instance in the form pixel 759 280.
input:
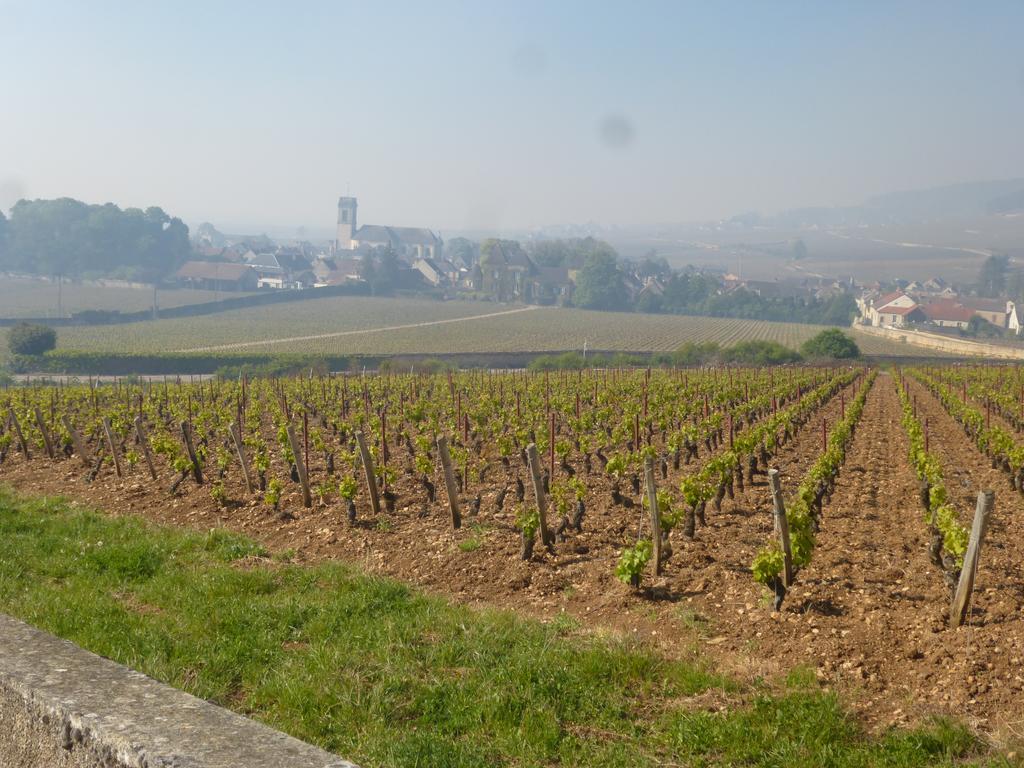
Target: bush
pixel 31 339
pixel 272 368
pixel 696 354
pixel 833 344
pixel 427 365
pixel 979 327
pixel 760 353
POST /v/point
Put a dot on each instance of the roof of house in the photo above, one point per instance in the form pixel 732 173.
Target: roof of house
pixel 375 233
pixel 948 311
pixel 265 262
pixel 209 251
pixel 293 262
pixel 899 310
pixel 888 299
pixel 985 305
pixel 213 270
pixel 429 263
pixel 509 257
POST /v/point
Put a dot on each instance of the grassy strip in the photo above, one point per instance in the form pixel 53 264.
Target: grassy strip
pixel 926 464
pixel 368 668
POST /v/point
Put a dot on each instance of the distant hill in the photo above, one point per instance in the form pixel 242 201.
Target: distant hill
pixel 960 200
pixel 966 200
pixel 1014 201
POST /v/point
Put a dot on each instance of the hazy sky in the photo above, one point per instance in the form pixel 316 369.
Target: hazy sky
pixel 503 114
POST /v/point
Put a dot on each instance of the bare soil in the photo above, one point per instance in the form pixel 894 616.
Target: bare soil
pixel 868 615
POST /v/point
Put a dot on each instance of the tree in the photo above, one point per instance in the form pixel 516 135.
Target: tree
pixel 839 310
pixel 760 353
pixel 461 250
pixel 380 269
pixel 979 326
pixel 68 237
pixel 31 339
pixel 600 285
pixel 549 253
pixel 653 266
pixel 799 250
pixel 1015 285
pixel 649 303
pixel 580 249
pixel 833 344
pixel 992 277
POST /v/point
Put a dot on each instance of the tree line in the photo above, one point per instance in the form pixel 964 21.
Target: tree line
pixel 70 238
pixel 601 283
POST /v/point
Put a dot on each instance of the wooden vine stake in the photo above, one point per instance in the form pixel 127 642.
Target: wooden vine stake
pixel 449 481
pixel 300 466
pixel 186 436
pixel 964 589
pixel 781 526
pixel 47 440
pixel 143 438
pixel 76 439
pixel 111 446
pixel 236 438
pixel 368 472
pixel 652 502
pixel 538 491
pixel 18 432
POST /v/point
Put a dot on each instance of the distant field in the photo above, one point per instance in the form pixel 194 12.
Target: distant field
pixel 354 325
pixel 38 298
pixel 867 254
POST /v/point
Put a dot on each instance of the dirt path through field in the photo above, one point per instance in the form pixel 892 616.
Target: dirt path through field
pixel 338 334
pixel 868 615
pixel 968 471
pixel 995 639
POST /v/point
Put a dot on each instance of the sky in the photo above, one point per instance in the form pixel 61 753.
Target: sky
pixel 495 115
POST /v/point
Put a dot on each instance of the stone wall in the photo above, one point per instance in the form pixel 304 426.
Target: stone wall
pixel 63 707
pixel 944 343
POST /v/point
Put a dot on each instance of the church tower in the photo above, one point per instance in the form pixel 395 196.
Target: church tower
pixel 346 222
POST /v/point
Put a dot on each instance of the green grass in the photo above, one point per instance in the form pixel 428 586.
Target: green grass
pixel 380 674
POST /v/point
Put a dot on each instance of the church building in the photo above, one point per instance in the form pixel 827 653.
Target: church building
pixel 410 242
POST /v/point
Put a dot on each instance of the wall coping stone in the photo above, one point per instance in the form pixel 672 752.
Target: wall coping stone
pixel 121 718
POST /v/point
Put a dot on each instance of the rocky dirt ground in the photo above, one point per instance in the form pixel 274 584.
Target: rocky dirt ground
pixel 867 616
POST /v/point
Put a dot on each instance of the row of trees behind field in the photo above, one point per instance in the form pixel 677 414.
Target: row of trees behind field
pixel 72 238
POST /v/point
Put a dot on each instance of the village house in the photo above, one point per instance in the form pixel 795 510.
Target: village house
pixel 333 270
pixel 947 313
pixel 269 272
pixel 551 285
pixel 217 276
pixel 995 311
pixel 505 270
pixel 892 309
pixel 432 272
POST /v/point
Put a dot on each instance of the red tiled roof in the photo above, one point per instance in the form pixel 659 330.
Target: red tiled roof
pixel 898 310
pixel 947 310
pixel 985 305
pixel 889 297
pixel 213 270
